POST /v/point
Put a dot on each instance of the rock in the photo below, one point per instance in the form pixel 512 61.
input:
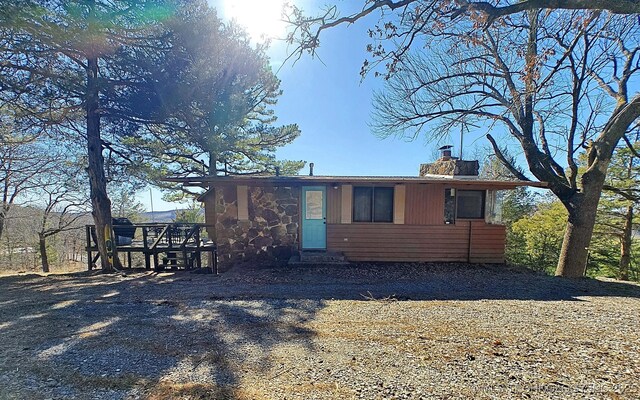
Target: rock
pixel 272 212
pixel 262 241
pixel 270 216
pixel 278 232
pixel 292 228
pixel 291 210
pixel 228 222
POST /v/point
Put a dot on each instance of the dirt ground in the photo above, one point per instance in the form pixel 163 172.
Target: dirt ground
pixel 345 332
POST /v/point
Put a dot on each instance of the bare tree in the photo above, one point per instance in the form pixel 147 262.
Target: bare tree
pixel 62 200
pixel 18 246
pixel 307 30
pixel 558 83
pixel 21 160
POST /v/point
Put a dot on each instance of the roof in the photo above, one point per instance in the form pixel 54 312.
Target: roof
pixel 213 181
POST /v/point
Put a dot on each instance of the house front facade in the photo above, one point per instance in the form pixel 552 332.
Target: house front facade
pixel 450 217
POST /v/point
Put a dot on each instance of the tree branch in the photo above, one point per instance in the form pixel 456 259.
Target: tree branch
pixel 630 146
pixel 498 152
pixel 622 192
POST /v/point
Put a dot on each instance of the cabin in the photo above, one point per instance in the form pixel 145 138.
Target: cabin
pixel 445 214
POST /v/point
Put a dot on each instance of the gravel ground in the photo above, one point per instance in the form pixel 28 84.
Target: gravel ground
pixel 355 332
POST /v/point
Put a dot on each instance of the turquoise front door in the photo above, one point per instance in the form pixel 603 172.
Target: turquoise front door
pixel 314 217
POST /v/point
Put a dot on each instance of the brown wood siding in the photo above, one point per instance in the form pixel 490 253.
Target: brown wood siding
pixel 424 204
pixel 415 243
pixel 334 205
pixel 487 242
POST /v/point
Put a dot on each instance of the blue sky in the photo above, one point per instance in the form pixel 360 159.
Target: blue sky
pixel 327 99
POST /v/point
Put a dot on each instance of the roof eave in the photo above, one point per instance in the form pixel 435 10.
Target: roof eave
pixel 288 180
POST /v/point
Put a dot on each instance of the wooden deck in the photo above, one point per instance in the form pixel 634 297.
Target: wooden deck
pixel 172 245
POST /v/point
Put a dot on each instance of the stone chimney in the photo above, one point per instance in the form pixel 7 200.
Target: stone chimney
pixel 448 165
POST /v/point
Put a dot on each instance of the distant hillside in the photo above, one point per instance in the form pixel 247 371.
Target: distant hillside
pixel 162 216
pixel 159 216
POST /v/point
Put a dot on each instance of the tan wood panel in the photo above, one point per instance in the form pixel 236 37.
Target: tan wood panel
pixel 243 203
pixel 210 214
pixel 347 199
pixel 399 195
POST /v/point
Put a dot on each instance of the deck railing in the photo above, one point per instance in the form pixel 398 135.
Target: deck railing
pixel 152 239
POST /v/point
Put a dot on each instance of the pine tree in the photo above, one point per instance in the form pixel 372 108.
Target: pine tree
pixel 210 97
pixel 617 212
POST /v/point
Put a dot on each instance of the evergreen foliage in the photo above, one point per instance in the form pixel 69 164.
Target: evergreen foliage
pixel 615 245
pixel 149 88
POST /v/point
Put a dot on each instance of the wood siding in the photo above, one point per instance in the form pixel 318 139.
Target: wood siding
pixel 487 242
pixel 334 205
pixel 424 204
pixel 466 241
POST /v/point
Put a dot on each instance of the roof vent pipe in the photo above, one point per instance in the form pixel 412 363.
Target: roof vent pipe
pixel 277 171
pixel 310 169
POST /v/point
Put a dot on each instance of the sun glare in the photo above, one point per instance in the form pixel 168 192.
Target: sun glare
pixel 261 18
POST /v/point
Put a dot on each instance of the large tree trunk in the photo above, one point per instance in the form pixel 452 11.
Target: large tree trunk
pixel 582 207
pixel 625 245
pixel 97 181
pixel 43 253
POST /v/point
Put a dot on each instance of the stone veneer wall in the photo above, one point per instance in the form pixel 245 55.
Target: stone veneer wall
pixel 270 234
pixel 450 167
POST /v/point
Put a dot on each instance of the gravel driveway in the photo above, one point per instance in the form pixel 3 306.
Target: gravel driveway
pixel 344 332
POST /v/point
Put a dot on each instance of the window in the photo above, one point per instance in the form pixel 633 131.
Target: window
pixel 495 198
pixel 372 204
pixel 470 204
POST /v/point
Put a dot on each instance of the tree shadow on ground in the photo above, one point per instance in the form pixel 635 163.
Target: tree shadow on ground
pixel 106 336
pixel 417 282
pixel 176 335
